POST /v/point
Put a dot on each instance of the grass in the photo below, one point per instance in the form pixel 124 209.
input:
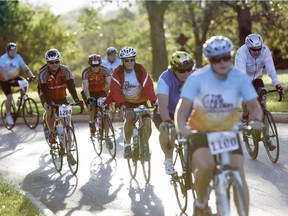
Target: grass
pixel 12 203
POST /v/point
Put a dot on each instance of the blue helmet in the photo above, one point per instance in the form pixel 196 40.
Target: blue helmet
pixel 217 45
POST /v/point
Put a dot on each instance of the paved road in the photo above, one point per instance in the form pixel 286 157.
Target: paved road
pixel 103 186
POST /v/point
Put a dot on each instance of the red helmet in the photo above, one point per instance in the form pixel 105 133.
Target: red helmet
pixel 94 59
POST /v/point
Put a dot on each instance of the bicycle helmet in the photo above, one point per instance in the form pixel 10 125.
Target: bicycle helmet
pixel 181 60
pixel 217 45
pixel 253 40
pixel 94 59
pixel 52 55
pixel 127 52
pixel 111 50
pixel 11 46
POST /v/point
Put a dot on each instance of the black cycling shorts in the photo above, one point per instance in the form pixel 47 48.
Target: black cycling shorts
pixel 258 85
pixel 6 86
pixel 95 95
pixel 200 141
pixel 63 101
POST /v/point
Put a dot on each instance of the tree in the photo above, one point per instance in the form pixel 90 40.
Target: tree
pixel 156 10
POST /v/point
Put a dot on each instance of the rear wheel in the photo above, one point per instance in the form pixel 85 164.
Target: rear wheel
pixel 72 150
pixel 273 136
pixel 251 139
pixel 3 114
pixel 30 113
pixel 145 154
pixel 111 143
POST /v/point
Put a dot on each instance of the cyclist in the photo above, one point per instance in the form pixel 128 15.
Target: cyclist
pixel 251 58
pixel 111 61
pixel 54 78
pixel 215 92
pixel 10 64
pixel 168 93
pixel 130 87
pixel 94 80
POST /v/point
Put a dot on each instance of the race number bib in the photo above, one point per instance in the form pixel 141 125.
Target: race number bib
pixel 22 84
pixel 220 142
pixel 65 111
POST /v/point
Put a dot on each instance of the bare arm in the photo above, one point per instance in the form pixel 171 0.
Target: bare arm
pixel 255 111
pixel 163 101
pixel 182 109
pixel 27 70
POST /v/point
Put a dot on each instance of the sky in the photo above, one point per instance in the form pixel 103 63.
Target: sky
pixel 64 6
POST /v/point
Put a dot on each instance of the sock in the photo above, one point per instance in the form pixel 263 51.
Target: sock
pixel 169 160
pixel 199 205
pixel 127 145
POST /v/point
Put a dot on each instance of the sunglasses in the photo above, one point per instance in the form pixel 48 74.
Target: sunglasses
pixel 255 50
pixel 96 65
pixel 185 70
pixel 54 62
pixel 131 60
pixel 216 60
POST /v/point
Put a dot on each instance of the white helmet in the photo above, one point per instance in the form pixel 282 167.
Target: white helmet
pixel 52 54
pixel 253 40
pixel 217 45
pixel 127 52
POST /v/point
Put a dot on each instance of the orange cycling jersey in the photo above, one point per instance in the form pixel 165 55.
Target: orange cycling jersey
pixel 56 82
pixel 96 81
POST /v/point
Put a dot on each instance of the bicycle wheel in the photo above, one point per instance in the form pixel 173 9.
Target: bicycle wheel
pixel 111 143
pixel 72 150
pixel 273 136
pixel 30 113
pixel 132 162
pixel 251 140
pixel 57 153
pixel 179 179
pixel 145 154
pixel 222 194
pixel 97 140
pixel 45 131
pixel 3 114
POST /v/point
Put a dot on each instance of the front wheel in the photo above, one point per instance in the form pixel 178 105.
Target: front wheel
pixel 251 139
pixel 110 138
pixel 96 140
pixel 72 150
pixel 145 155
pixel 3 114
pixel 237 184
pixel 57 153
pixel 273 137
pixel 30 113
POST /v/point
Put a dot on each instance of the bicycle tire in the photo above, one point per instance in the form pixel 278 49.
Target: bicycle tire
pixel 145 159
pixel 111 135
pixel 97 141
pixel 30 113
pixel 3 114
pixel 72 150
pixel 273 155
pixel 44 125
pixel 132 164
pixel 238 191
pixel 179 180
pixel 252 143
pixel 222 197
pixel 57 153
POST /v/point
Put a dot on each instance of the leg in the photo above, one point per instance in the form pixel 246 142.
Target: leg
pixel 147 124
pixel 128 131
pixel 91 112
pixel 50 123
pixel 237 161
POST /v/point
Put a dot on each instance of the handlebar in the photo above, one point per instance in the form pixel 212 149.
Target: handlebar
pixel 265 91
pixel 52 106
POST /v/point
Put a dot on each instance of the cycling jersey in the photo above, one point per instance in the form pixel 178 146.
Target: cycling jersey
pixel 96 81
pixel 215 101
pixel 56 83
pixel 169 85
pixel 11 66
pixel 111 65
pixel 125 87
pixel 254 67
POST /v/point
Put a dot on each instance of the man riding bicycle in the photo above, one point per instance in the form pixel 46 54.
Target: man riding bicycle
pixel 94 80
pixel 168 93
pixel 111 61
pixel 54 78
pixel 130 87
pixel 251 58
pixel 10 64
pixel 215 92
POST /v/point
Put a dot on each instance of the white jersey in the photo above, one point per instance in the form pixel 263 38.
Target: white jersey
pixel 132 89
pixel 11 65
pixel 111 66
pixel 254 67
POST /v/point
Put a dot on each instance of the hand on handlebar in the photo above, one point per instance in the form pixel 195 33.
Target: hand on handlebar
pixel 257 125
pixel 30 79
pixel 281 91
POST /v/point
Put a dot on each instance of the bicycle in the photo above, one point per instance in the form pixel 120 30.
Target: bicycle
pixel 66 140
pixel 98 138
pixel 221 145
pixel 27 105
pixel 182 179
pixel 252 140
pixel 140 147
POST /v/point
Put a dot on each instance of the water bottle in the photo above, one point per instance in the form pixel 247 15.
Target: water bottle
pixel 60 130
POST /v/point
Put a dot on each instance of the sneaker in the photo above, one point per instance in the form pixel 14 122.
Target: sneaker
pixel 169 167
pixel 127 151
pixel 52 138
pixel 109 143
pixel 92 128
pixel 9 119
pixel 71 159
pixel 202 212
pixel 270 145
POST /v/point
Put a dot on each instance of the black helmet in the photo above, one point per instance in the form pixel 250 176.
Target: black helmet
pixel 111 50
pixel 10 46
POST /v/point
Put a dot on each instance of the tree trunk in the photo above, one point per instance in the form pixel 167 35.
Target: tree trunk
pixel 244 22
pixel 156 10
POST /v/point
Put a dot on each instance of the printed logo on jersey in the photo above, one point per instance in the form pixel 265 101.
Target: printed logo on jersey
pixel 127 85
pixel 213 101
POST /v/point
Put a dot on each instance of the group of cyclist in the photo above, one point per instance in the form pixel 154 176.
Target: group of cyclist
pixel 205 99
